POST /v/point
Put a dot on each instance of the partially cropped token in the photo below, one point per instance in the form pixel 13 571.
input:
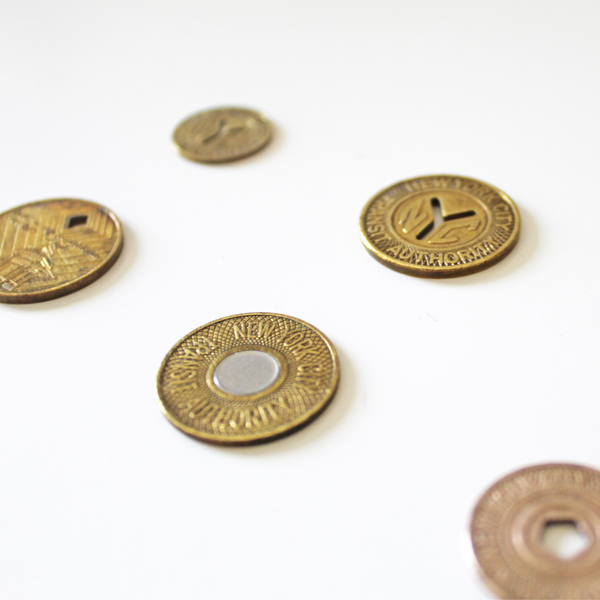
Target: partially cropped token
pixel 248 378
pixel 440 226
pixel 54 247
pixel 222 135
pixel 514 521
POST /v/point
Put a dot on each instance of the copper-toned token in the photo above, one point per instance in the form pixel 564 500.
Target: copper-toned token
pixel 54 247
pixel 248 378
pixel 511 519
pixel 440 226
pixel 222 135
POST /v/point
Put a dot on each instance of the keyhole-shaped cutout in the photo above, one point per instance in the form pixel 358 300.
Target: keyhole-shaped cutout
pixel 76 220
pixel 564 540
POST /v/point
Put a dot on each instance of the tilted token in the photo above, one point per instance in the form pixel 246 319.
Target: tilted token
pixel 222 135
pixel 440 226
pixel 513 517
pixel 248 378
pixel 54 247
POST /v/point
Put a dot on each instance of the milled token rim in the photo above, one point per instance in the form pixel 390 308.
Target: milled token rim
pixel 440 272
pixel 76 284
pixel 506 523
pixel 273 434
pixel 195 157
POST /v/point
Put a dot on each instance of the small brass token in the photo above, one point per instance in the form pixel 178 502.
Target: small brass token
pixel 440 226
pixel 222 135
pixel 54 247
pixel 512 519
pixel 248 379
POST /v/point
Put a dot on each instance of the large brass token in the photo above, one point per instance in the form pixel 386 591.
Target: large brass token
pixel 508 527
pixel 248 379
pixel 440 226
pixel 54 247
pixel 222 135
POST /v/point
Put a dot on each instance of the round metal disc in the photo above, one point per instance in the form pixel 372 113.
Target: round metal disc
pixel 222 135
pixel 248 378
pixel 508 526
pixel 54 247
pixel 440 226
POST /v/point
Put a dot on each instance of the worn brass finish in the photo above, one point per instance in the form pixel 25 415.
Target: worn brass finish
pixel 440 226
pixel 306 383
pixel 222 135
pixel 508 524
pixel 54 247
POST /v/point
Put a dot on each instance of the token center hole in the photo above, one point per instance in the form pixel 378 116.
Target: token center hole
pixel 246 372
pixel 564 539
pixel 438 218
pixel 76 220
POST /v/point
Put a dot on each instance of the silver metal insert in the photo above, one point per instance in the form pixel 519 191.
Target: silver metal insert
pixel 246 372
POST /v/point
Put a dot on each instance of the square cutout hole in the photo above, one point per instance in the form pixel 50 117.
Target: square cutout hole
pixel 76 221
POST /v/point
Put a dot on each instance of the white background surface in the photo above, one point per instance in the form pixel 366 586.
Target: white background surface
pixel 446 385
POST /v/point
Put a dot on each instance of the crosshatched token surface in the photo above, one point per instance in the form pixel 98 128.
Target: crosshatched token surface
pixel 509 522
pixel 54 247
pixel 222 135
pixel 291 386
pixel 440 226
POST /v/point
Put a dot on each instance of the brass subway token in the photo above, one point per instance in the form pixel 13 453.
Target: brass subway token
pixel 440 226
pixel 511 519
pixel 54 247
pixel 248 378
pixel 222 135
